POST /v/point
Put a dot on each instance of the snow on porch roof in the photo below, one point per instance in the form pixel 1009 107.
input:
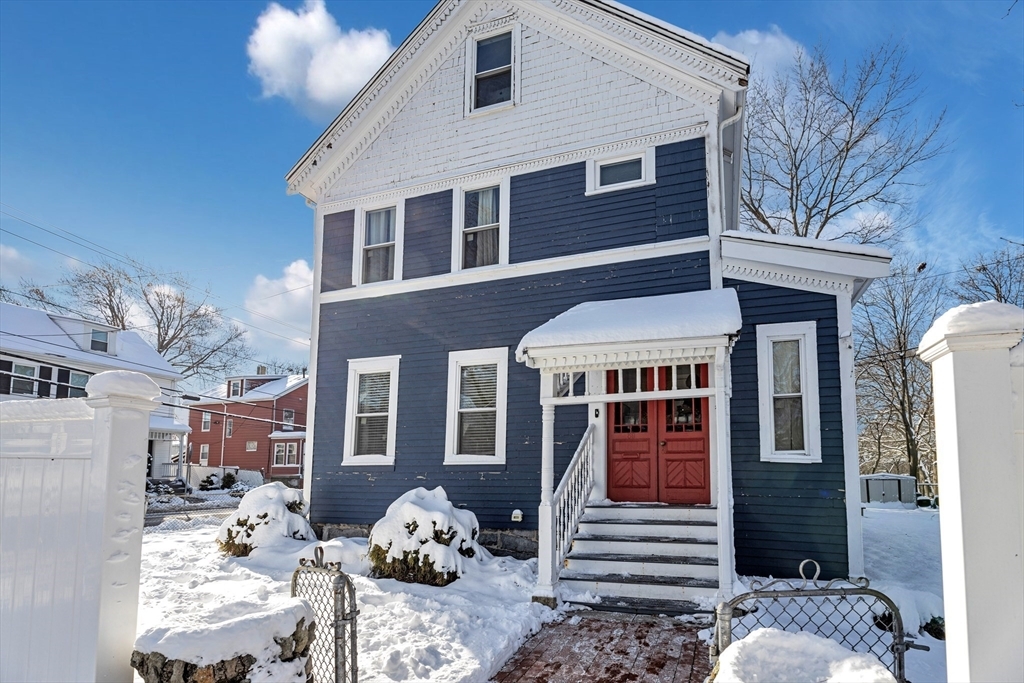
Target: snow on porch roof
pixel 651 319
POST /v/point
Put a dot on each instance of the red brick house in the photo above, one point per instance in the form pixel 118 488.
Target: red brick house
pixel 260 424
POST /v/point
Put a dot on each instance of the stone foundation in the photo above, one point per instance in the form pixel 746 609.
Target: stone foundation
pixel 518 543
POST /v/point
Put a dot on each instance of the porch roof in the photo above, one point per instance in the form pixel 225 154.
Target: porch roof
pixel 629 332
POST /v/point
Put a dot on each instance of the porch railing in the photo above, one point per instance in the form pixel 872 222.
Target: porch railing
pixel 570 498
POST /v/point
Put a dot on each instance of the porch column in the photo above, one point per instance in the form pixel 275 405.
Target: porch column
pixel 723 453
pixel 546 571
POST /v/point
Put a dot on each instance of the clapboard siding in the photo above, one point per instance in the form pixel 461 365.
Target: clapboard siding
pixel 785 513
pixel 428 235
pixel 336 261
pixel 423 327
pixel 549 214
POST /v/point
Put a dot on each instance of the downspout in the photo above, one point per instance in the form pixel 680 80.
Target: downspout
pixel 273 428
pixel 223 429
pixel 735 158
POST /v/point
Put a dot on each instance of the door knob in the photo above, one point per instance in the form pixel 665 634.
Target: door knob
pixel 663 443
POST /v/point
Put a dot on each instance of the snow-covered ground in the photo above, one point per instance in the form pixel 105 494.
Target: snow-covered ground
pixel 463 632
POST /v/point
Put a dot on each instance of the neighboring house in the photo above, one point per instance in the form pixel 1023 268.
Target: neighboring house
pixel 533 205
pixel 45 355
pixel 253 422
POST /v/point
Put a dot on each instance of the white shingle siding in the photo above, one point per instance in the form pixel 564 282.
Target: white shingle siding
pixel 431 138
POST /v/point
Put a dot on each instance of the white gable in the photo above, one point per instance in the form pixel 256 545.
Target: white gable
pixel 568 100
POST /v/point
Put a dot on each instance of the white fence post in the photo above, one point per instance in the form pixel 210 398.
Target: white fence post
pixel 981 484
pixel 72 503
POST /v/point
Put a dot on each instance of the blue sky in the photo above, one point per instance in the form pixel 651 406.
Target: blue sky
pixel 163 130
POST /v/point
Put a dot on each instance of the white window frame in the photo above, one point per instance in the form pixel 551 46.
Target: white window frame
pixel 648 171
pixel 359 240
pixel 254 445
pixel 459 221
pixel 291 453
pixel 363 366
pixel 76 387
pixel 456 360
pixel 470 89
pixel 229 427
pixel 279 453
pixel 207 421
pixel 234 388
pixel 287 422
pixel 806 334
pixel 106 341
pixel 204 454
pixel 16 377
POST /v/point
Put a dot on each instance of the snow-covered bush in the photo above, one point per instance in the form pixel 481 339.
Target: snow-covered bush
pixel 209 483
pixel 423 538
pixel 264 516
pixel 228 481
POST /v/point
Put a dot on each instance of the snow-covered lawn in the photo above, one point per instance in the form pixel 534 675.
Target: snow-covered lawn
pixel 463 632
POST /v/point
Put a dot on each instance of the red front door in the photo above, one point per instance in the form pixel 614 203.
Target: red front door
pixel 658 451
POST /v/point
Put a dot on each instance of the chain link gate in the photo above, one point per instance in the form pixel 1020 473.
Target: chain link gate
pixel 846 611
pixel 333 598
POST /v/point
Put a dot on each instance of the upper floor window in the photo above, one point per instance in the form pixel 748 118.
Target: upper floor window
pixel 99 341
pixel 481 226
pixel 379 246
pixel 235 388
pixel 23 381
pixel 620 173
pixel 787 369
pixel 288 418
pixel 229 428
pixel 207 418
pixel 492 82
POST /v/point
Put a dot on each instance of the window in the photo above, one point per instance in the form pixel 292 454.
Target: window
pixel 620 173
pixel 250 446
pixel 23 386
pixel 378 244
pixel 787 371
pixel 371 411
pixel 204 454
pixel 293 453
pixel 99 341
pixel 492 79
pixel 480 224
pixel 229 428
pixel 288 417
pixel 206 422
pixel 77 381
pixel 235 388
pixel 477 382
pixel 278 454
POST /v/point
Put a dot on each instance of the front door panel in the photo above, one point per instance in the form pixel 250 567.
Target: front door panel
pixel 632 453
pixel 684 462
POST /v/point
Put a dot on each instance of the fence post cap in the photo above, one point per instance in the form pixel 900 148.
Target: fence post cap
pixel 973 327
pixel 124 383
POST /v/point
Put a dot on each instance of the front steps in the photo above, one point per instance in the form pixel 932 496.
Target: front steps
pixel 656 559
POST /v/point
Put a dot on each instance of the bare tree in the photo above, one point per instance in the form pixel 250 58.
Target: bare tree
pixel 831 154
pixel 107 290
pixel 894 394
pixel 998 275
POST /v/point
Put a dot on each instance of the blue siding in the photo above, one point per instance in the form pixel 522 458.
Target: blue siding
pixel 785 513
pixel 424 327
pixel 428 235
pixel 549 214
pixel 336 267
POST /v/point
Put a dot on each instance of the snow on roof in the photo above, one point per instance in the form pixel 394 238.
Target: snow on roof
pixel 31 331
pixel 287 435
pixel 809 243
pixel 987 317
pixel 162 423
pixel 265 392
pixel 709 313
pixel 885 475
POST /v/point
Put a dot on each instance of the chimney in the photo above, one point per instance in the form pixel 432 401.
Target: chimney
pixel 261 369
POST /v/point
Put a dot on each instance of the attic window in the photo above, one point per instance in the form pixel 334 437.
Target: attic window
pixel 99 341
pixel 236 388
pixel 492 71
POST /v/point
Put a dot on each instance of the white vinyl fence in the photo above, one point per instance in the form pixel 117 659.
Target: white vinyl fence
pixel 72 500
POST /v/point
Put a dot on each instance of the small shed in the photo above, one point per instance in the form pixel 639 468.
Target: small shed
pixel 882 487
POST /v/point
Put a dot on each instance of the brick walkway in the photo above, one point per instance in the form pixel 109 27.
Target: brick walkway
pixel 608 647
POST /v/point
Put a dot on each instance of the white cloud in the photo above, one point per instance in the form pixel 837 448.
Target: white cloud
pixel 282 305
pixel 769 51
pixel 305 57
pixel 14 265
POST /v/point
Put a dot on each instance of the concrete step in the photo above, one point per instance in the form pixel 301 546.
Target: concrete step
pixel 651 511
pixel 610 586
pixel 668 608
pixel 647 545
pixel 649 529
pixel 643 565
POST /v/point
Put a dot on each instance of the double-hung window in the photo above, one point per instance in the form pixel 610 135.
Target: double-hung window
pixel 23 381
pixel 278 454
pixel 378 244
pixel 480 226
pixel 371 411
pixel 492 79
pixel 288 419
pixel 787 368
pixel 207 418
pixel 99 341
pixel 235 388
pixel 475 425
pixel 204 454
pixel 292 450
pixel 77 380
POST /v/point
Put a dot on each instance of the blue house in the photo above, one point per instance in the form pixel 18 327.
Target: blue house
pixel 530 289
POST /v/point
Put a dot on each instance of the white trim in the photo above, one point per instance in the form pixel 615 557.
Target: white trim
pixel 204 454
pixel 255 446
pixel 851 455
pixel 359 235
pixel 314 345
pixel 495 29
pixel 362 366
pixel 32 379
pixel 279 450
pixel 648 172
pixel 232 385
pixel 805 333
pixel 229 427
pixel 206 421
pixel 457 359
pixel 459 219
pixel 529 268
pixel 582 357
